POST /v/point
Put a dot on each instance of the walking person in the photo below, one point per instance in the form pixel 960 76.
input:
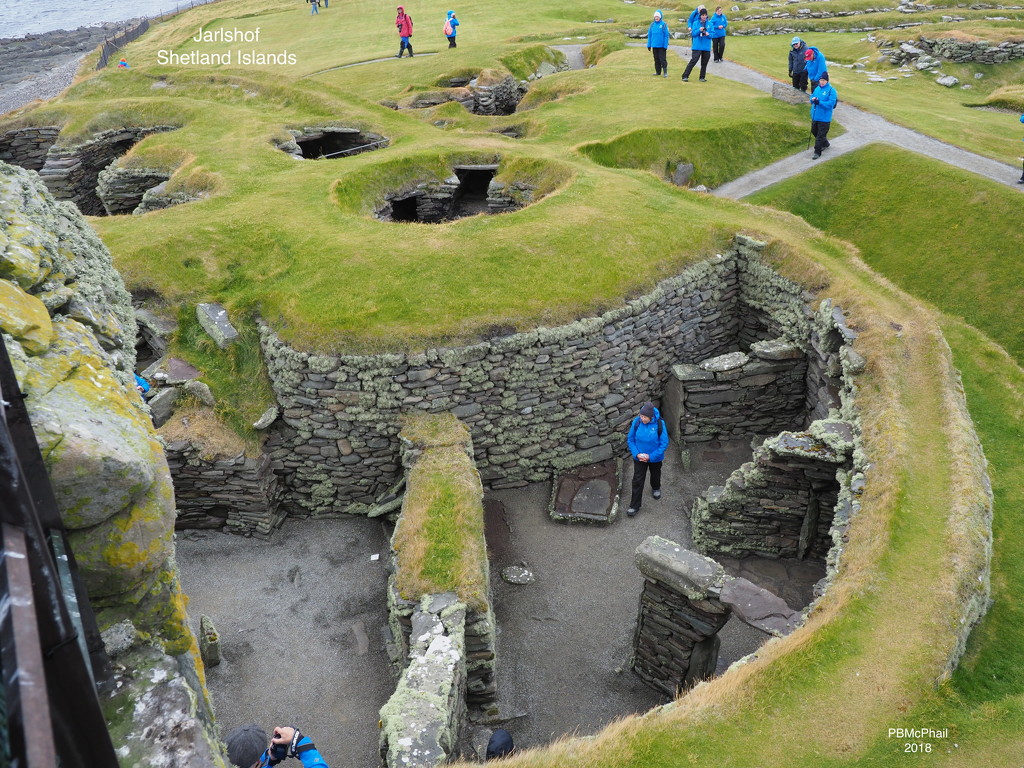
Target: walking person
pixel 657 43
pixel 403 22
pixel 314 7
pixel 450 30
pixel 816 65
pixel 798 64
pixel 647 440
pixel 694 15
pixel 718 24
pixel 823 101
pixel 700 46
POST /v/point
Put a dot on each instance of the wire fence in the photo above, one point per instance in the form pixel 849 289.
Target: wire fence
pixel 116 43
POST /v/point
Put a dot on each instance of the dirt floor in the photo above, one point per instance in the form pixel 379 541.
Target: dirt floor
pixel 303 617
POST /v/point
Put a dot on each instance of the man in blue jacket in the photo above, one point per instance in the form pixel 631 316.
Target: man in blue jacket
pixel 798 64
pixel 700 31
pixel 657 43
pixel 816 64
pixel 718 24
pixel 647 439
pixel 823 101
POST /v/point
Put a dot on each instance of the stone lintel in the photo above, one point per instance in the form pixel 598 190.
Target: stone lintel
pixel 726 362
pixel 687 572
pixel 776 349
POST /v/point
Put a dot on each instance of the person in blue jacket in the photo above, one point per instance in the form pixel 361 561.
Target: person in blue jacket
pixel 700 31
pixel 694 15
pixel 1022 167
pixel 816 64
pixel 657 43
pixel 450 25
pixel 647 440
pixel 823 101
pixel 718 24
pixel 247 747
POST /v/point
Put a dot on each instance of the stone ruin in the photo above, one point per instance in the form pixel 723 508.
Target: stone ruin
pixel 330 142
pixel 471 189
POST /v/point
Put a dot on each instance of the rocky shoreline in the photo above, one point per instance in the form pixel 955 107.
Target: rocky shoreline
pixel 42 66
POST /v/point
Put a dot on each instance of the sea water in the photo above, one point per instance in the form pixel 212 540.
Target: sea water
pixel 32 17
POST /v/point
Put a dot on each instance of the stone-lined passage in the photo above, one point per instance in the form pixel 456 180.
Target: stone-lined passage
pixel 330 142
pixel 27 147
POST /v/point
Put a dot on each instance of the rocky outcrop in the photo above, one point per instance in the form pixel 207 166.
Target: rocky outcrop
pixel 70 330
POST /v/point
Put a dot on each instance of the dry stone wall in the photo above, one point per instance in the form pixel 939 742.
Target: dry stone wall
pixel 121 190
pixel 536 402
pixel 27 147
pixel 238 493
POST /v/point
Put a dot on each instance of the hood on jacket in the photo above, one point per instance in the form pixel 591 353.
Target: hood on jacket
pixel 450 14
pixel 401 9
pixel 657 15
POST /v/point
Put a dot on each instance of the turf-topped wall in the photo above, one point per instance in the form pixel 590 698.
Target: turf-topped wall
pixel 536 402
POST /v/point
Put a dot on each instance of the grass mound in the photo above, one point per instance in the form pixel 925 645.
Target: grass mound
pixel 718 154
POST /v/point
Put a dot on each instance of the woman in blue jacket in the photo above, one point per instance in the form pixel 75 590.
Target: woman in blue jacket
pixel 647 439
pixel 718 24
pixel 700 31
pixel 657 43
pixel 816 65
pixel 450 28
pixel 823 101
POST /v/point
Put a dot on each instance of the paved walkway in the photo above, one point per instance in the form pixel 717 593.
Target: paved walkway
pixel 573 55
pixel 862 128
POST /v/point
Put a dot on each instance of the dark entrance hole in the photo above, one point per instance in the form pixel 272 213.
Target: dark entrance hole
pixel 471 195
pixel 404 209
pixel 338 142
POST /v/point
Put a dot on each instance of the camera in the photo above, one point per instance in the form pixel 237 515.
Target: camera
pixel 279 751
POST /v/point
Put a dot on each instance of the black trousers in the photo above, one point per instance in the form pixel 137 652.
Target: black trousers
pixel 800 81
pixel 718 47
pixel 820 131
pixel 451 42
pixel 639 473
pixel 703 56
pixel 660 60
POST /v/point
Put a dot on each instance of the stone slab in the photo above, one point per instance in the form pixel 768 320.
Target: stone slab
pixel 587 494
pixel 759 608
pixel 680 569
pixel 214 320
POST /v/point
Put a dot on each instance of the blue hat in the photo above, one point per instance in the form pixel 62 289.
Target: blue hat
pixel 659 14
pixel 795 41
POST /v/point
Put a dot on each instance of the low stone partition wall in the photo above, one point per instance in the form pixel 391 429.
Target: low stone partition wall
pixel 72 173
pixel 121 190
pixel 238 493
pixel 782 503
pixel 686 599
pixel 957 50
pixel 439 588
pixel 738 394
pixel 422 721
pixel 27 147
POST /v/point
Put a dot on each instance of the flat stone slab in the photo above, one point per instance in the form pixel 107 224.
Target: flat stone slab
pixel 759 608
pixel 214 319
pixel 789 94
pixel 587 494
pixel 172 371
pixel 726 362
pixel 517 574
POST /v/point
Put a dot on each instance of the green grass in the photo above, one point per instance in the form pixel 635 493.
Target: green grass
pixel 938 232
pixel 916 102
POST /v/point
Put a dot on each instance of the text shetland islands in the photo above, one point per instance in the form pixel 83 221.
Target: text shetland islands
pixel 225 57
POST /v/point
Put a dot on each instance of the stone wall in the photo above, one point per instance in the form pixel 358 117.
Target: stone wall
pixel 121 190
pixel 738 394
pixel 782 503
pixel 955 50
pixel 237 493
pixel 68 324
pixel 422 722
pixel 72 172
pixel 27 147
pixel 686 599
pixel 536 402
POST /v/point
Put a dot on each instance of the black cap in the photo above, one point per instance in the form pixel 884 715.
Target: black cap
pixel 246 744
pixel 823 76
pixel 647 410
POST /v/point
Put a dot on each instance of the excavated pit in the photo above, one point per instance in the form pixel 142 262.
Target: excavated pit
pixel 470 190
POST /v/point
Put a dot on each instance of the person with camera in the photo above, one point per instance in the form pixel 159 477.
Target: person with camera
pixel 823 101
pixel 247 747
pixel 701 47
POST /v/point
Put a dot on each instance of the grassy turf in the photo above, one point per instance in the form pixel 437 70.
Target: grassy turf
pixel 937 231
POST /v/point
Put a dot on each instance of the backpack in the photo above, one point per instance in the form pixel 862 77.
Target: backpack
pixel 448 29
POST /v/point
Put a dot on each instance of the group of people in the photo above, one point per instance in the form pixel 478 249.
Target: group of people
pixel 708 34
pixel 403 22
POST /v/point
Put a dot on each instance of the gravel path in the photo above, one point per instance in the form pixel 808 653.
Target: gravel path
pixel 44 86
pixel 573 55
pixel 862 128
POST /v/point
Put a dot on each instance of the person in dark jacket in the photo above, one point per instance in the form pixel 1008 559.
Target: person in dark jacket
pixel 798 64
pixel 450 26
pixel 647 440
pixel 403 22
pixel 700 31
pixel 718 24
pixel 657 43
pixel 247 747
pixel 823 101
pixel 816 65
